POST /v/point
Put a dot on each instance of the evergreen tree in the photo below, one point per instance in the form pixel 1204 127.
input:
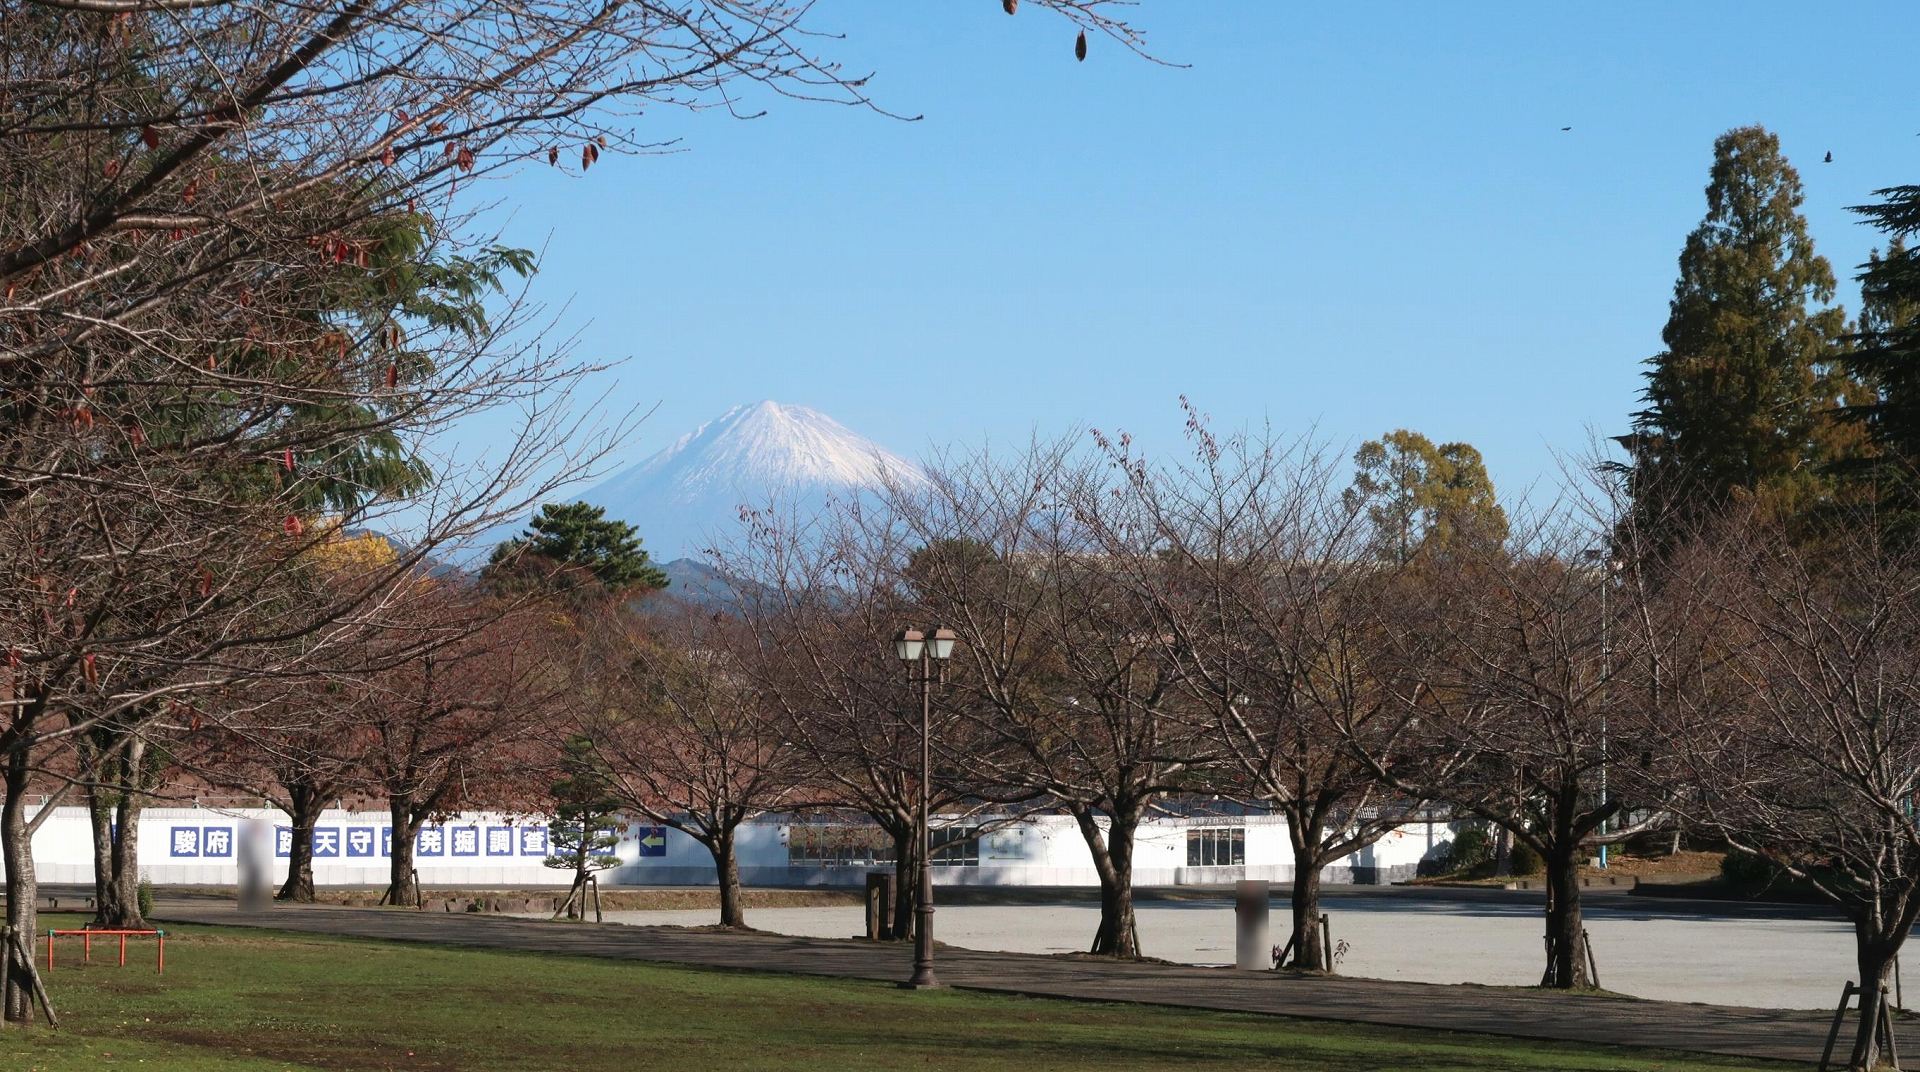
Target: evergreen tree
pixel 1420 496
pixel 1887 361
pixel 586 820
pixel 578 538
pixel 1888 357
pixel 1742 399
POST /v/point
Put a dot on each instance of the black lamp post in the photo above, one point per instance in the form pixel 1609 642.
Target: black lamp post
pixel 931 654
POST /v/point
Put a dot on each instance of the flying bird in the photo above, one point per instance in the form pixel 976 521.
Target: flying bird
pixel 1829 158
pixel 1566 128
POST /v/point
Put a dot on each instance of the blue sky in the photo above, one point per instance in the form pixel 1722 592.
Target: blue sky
pixel 1343 217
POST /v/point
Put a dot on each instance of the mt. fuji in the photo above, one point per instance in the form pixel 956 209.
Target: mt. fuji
pixel 691 492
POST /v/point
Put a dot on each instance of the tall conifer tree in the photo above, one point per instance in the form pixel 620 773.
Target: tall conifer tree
pixel 1742 399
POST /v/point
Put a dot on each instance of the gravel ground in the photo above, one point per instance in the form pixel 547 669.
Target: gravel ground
pixel 1673 953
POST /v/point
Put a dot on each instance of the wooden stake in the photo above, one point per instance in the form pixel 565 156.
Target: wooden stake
pixel 6 965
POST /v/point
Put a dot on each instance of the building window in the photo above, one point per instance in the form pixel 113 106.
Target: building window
pixel 955 846
pixel 1216 846
pixel 837 845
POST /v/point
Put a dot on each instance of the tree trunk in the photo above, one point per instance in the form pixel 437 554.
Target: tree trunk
pixel 1118 936
pixel 306 802
pixel 403 890
pixel 1502 851
pixel 1566 938
pixel 1309 953
pixel 577 896
pixel 121 908
pixel 100 813
pixel 726 867
pixel 23 889
pixel 906 882
pixel 1874 955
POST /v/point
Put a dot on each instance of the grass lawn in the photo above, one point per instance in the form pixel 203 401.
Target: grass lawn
pixel 243 999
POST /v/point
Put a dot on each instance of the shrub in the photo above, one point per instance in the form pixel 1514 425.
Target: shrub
pixel 1435 863
pixel 1745 870
pixel 1472 848
pixel 1524 861
pixel 143 895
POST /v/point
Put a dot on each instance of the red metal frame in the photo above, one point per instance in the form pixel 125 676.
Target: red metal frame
pixel 87 935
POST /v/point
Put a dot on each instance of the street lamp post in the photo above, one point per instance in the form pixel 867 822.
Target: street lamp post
pixel 1610 566
pixel 931 655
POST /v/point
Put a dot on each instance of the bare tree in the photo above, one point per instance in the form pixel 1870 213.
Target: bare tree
pixel 820 600
pixel 1265 587
pixel 1516 664
pixel 228 227
pixel 1068 672
pixel 457 725
pixel 688 739
pixel 1790 720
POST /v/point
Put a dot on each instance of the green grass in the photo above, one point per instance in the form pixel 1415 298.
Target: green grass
pixel 240 999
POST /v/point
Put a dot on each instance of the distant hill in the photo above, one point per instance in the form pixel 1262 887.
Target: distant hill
pixel 697 583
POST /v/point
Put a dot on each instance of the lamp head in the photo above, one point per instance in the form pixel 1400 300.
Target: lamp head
pixel 908 643
pixel 942 644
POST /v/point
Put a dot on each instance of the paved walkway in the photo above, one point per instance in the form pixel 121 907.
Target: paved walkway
pixel 1526 1013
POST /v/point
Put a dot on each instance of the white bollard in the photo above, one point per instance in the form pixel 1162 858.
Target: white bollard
pixel 1253 946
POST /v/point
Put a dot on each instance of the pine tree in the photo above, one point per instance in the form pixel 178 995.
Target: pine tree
pixel 1887 362
pixel 586 820
pixel 1888 358
pixel 578 538
pixel 1742 399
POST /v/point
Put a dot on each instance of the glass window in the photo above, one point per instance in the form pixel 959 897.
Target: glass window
pixel 1216 846
pixel 838 845
pixel 955 846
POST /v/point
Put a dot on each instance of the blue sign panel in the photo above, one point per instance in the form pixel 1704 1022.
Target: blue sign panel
pixel 499 841
pixel 533 841
pixel 184 841
pixel 326 842
pixel 216 841
pixel 431 841
pixel 361 840
pixel 653 841
pixel 464 840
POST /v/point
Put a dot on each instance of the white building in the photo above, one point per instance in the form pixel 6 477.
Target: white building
pixel 199 846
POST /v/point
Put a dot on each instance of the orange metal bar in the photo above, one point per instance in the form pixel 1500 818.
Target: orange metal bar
pixel 87 935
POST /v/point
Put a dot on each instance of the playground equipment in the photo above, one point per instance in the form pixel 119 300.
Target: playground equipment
pixel 89 934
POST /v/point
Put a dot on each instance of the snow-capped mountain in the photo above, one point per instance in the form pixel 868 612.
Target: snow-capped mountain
pixel 690 494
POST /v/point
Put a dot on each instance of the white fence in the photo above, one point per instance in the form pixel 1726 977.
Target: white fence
pixel 199 846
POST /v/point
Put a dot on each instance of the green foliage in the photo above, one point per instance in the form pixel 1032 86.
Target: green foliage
pixel 410 289
pixel 1747 871
pixel 1524 861
pixel 1742 400
pixel 579 542
pixel 1887 361
pixel 1472 847
pixel 586 817
pixel 1423 497
pixel 143 896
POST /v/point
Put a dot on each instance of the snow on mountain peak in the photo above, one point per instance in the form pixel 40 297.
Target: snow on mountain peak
pixel 695 487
